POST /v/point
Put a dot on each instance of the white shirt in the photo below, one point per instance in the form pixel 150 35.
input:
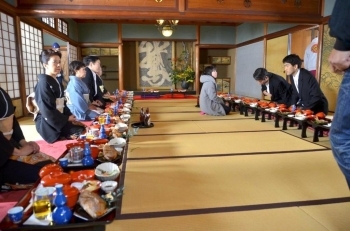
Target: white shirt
pixel 296 79
pixel 95 84
pixel 310 56
pixel 267 88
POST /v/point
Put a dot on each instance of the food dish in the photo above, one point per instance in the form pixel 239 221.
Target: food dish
pixel 109 186
pixel 117 142
pixel 107 171
pixel 101 159
pixel 82 214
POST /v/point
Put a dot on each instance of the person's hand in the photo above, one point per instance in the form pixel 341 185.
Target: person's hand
pixel 97 103
pixel 92 107
pixel 36 147
pixel 339 60
pixel 72 118
pixel 23 151
pixel 267 94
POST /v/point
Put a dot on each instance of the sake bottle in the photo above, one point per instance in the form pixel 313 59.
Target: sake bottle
pixel 147 118
pixel 142 116
pixel 87 159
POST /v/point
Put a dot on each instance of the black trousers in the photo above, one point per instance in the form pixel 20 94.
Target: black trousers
pixel 13 172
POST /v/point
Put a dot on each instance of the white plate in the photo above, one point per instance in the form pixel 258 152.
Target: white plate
pixel 329 117
pixel 80 212
pixel 252 105
pixel 300 117
pixel 290 115
pixel 238 101
pixel 267 109
pixel 273 110
pixel 117 142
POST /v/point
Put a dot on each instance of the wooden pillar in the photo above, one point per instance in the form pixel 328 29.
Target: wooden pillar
pixel 21 78
pixel 120 57
pixel 197 50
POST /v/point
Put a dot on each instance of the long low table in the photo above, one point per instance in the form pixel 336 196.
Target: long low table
pixel 157 94
pixel 76 224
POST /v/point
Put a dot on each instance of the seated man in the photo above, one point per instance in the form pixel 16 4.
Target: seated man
pixel 307 93
pixel 274 86
pixel 20 161
pixel 93 66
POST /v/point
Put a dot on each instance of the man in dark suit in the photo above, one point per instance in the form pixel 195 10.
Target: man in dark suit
pixel 306 90
pixel 274 86
pixel 93 66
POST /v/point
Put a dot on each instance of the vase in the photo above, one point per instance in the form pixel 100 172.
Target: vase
pixel 61 214
pixel 185 85
pixel 87 159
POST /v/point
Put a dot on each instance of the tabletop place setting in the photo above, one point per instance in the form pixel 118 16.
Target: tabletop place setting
pixel 83 184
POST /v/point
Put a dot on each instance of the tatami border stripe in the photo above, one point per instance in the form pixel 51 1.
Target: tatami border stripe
pixel 229 154
pixel 242 208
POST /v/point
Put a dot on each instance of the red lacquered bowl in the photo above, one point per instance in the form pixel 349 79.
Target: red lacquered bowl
pixel 47 169
pixel 72 194
pixel 82 175
pixel 100 141
pixel 56 178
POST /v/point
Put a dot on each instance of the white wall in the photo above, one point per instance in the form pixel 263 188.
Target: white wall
pixel 248 58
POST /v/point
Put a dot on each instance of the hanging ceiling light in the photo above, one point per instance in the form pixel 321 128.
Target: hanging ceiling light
pixel 166 27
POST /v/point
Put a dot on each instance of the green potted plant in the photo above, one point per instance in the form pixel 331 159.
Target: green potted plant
pixel 181 72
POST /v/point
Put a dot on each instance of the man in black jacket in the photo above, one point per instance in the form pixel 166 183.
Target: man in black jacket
pixel 93 65
pixel 339 60
pixel 274 86
pixel 306 90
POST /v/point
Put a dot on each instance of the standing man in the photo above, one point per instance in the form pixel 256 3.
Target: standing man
pixel 339 60
pixel 274 86
pixel 306 90
pixel 56 47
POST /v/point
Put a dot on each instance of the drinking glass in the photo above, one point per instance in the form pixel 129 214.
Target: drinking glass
pixel 101 120
pixel 41 203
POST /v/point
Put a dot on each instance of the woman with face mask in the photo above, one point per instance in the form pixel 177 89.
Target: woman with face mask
pixel 54 121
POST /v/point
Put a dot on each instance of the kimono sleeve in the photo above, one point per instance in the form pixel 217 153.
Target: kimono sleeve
pixel 46 100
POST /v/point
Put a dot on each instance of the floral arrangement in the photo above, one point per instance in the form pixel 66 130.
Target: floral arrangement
pixel 181 71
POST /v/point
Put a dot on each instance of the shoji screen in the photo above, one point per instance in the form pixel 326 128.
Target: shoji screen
pixel 32 46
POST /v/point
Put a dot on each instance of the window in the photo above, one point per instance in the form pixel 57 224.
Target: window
pixel 73 53
pixel 32 46
pixel 62 26
pixel 9 80
pixel 49 21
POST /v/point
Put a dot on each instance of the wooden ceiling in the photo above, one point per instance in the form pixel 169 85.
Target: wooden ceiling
pixel 206 12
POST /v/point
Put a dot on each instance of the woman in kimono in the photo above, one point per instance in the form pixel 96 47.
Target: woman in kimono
pixel 209 102
pixel 20 161
pixel 77 93
pixel 54 121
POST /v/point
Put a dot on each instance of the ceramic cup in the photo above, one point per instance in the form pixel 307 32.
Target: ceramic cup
pixel 15 214
pixel 94 132
pixel 63 162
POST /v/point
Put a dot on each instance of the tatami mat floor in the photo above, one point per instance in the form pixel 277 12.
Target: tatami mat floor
pixel 198 172
pixel 195 172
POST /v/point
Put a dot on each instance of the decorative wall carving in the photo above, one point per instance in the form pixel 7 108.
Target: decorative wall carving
pixel 330 81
